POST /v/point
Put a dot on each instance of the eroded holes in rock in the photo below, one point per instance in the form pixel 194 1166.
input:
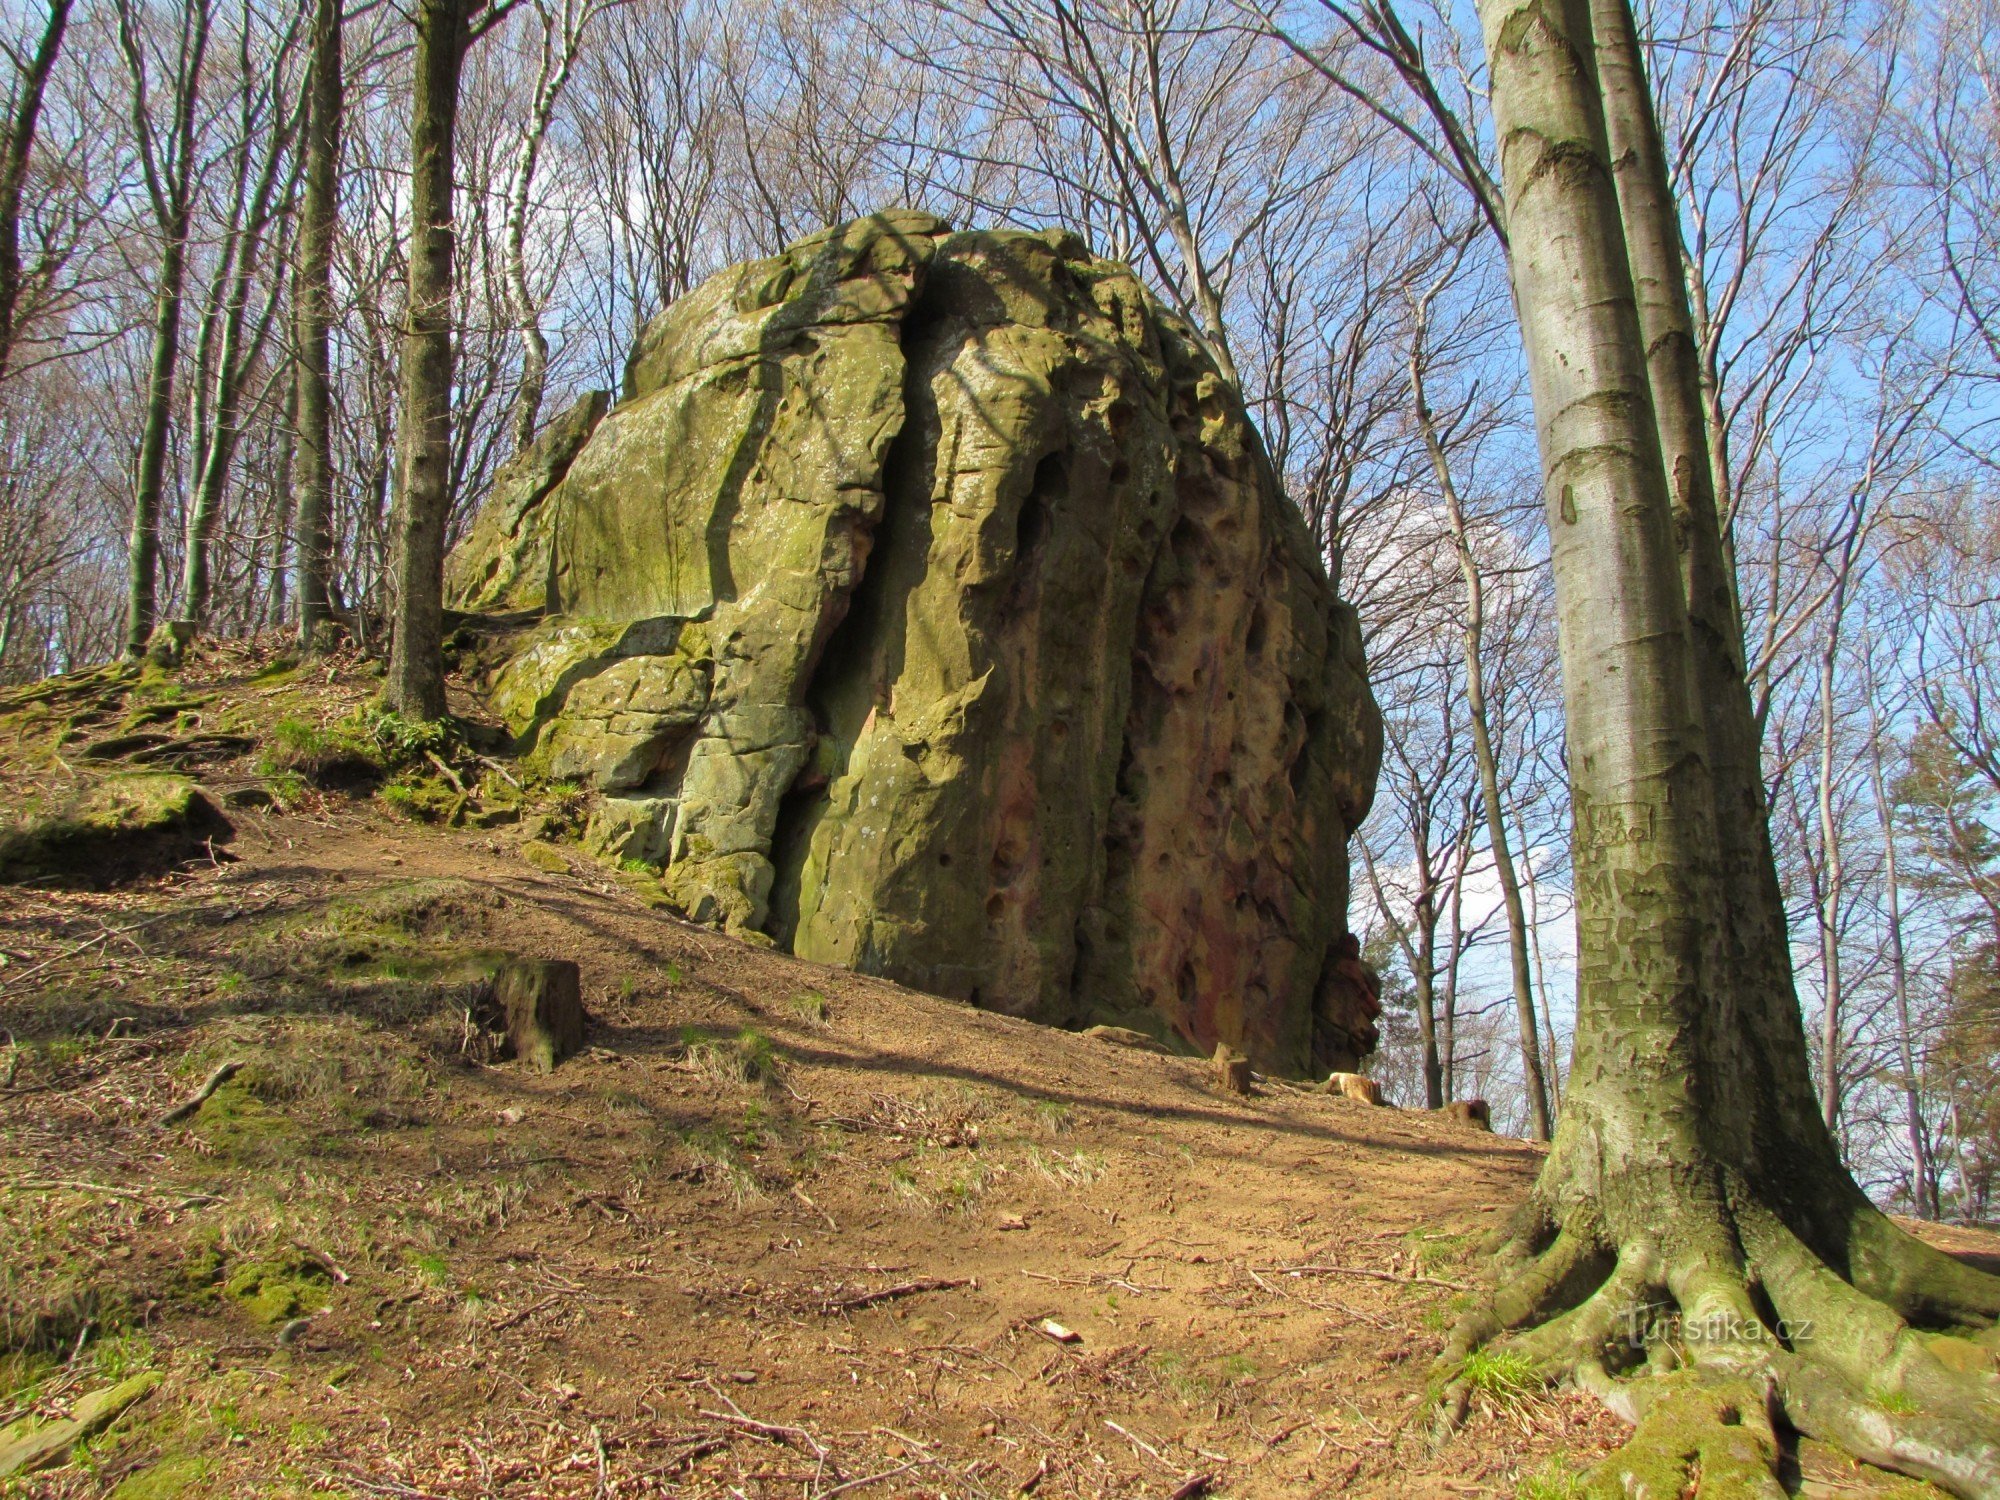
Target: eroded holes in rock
pixel 996 908
pixel 1254 638
pixel 1301 767
pixel 1031 526
pixel 944 860
pixel 670 763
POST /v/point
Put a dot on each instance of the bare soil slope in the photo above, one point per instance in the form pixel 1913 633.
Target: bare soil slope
pixel 778 1231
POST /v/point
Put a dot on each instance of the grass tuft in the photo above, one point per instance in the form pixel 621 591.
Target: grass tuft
pixel 1505 1378
pixel 1556 1479
pixel 1066 1169
pixel 810 1006
pixel 747 1057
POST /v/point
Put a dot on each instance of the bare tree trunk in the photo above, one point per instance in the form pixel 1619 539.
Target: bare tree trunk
pixel 215 452
pixel 14 154
pixel 1551 1058
pixel 1472 635
pixel 415 685
pixel 1832 882
pixel 1923 1171
pixel 272 614
pixel 1757 957
pixel 1693 1172
pixel 562 39
pixel 1420 955
pixel 166 167
pixel 149 481
pixel 313 318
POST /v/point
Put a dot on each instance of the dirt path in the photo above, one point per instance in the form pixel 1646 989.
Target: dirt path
pixel 780 1231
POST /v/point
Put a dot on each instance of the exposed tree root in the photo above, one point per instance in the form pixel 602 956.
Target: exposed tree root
pixel 1714 1352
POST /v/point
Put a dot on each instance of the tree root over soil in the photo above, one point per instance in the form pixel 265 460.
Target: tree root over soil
pixel 1716 1345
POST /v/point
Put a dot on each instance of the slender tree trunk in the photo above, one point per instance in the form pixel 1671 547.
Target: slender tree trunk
pixel 415 686
pixel 1454 956
pixel 562 36
pixel 1923 1175
pixel 1418 955
pixel 313 319
pixel 14 157
pixel 149 482
pixel 1832 886
pixel 216 454
pixel 1424 977
pixel 1472 635
pixel 273 612
pixel 166 172
pixel 1551 1052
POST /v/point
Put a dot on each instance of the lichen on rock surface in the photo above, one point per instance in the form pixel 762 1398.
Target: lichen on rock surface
pixel 928 605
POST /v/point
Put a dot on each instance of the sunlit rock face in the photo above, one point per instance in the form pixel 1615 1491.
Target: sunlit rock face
pixel 927 604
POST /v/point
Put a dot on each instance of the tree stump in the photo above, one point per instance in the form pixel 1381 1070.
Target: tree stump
pixel 540 1005
pixel 1473 1112
pixel 1232 1069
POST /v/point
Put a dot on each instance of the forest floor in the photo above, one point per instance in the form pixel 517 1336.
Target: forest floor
pixel 778 1230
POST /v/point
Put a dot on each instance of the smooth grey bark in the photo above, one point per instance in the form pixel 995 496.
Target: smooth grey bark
pixel 1693 1170
pixel 15 153
pixel 562 40
pixel 1756 955
pixel 1832 876
pixel 312 398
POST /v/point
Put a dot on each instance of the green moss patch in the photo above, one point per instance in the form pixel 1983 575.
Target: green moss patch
pixel 173 1475
pixel 277 1288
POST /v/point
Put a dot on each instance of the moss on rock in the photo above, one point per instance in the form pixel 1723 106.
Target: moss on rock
pixel 928 605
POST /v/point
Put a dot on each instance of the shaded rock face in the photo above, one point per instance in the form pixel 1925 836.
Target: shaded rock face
pixel 928 605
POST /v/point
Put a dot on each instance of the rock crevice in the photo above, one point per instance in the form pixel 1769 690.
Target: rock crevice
pixel 928 605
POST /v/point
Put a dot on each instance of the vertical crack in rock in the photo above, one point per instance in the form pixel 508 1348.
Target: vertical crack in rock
pixel 863 653
pixel 987 652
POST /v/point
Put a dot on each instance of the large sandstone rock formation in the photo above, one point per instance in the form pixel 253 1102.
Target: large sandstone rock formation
pixel 927 603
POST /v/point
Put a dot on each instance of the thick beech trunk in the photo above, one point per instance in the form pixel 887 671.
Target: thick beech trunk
pixel 1693 1193
pixel 415 684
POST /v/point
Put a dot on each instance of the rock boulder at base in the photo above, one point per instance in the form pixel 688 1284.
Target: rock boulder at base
pixel 928 605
